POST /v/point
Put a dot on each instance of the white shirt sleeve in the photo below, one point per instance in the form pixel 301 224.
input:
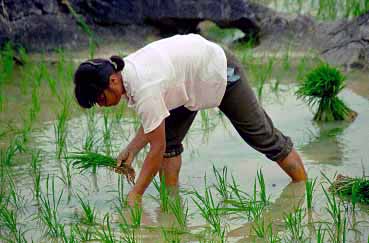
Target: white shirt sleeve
pixel 150 107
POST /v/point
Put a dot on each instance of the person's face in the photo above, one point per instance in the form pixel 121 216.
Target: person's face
pixel 112 95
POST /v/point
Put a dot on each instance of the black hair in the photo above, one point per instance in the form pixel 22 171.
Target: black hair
pixel 92 78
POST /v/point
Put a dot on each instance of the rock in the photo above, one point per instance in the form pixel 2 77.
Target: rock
pixel 42 25
pixel 347 43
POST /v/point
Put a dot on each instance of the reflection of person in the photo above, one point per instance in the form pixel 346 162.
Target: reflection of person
pixel 166 83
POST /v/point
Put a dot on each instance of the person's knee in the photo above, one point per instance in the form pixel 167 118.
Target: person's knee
pixel 173 150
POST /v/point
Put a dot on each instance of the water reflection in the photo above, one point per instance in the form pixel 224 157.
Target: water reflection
pixel 291 198
pixel 326 145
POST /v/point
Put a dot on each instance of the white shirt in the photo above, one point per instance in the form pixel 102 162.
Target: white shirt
pixel 181 70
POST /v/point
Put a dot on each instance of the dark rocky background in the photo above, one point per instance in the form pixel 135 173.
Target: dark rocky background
pixel 42 25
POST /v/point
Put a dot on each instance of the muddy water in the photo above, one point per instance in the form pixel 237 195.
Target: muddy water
pixel 329 148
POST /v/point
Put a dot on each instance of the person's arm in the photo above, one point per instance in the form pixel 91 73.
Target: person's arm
pixel 129 152
pixel 151 165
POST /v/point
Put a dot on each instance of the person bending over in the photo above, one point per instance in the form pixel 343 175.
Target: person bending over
pixel 166 82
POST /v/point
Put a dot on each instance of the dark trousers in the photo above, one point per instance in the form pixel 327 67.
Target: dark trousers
pixel 241 107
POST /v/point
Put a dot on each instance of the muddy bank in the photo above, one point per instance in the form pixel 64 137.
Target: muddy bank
pixel 44 25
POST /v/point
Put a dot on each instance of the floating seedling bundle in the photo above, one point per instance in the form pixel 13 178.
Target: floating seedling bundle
pixel 321 87
pixel 92 160
pixel 355 188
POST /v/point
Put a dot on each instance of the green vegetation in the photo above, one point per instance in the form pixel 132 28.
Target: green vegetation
pixel 163 194
pixel 356 189
pixel 310 186
pixel 321 87
pixel 89 216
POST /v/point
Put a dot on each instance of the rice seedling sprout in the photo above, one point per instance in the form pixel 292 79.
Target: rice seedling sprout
pixel 221 182
pixel 310 186
pixel 89 216
pixel 180 211
pixel 163 194
pixel 293 222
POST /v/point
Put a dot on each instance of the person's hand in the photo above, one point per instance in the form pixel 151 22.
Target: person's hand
pixel 134 199
pixel 125 156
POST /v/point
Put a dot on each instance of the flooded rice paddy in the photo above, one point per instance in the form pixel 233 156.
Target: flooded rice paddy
pixel 43 196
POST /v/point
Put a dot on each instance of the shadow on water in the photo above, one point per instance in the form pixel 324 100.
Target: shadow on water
pixel 291 198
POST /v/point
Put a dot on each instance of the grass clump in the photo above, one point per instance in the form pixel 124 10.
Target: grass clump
pixel 91 160
pixel 321 87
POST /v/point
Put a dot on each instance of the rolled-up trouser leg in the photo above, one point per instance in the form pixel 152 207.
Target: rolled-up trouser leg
pixel 176 127
pixel 241 107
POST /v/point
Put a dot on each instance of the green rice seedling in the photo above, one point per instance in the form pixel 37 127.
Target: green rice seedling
pixel 106 235
pixel 334 210
pixel 15 198
pixel 107 133
pixel 82 234
pixel 35 107
pixel 255 208
pixel 320 235
pixel 209 211
pixel 262 193
pixel 293 223
pixel 179 210
pixel 273 238
pixel 71 238
pixel 36 174
pixel 222 182
pixel 357 189
pixel 121 198
pixel 261 72
pixel 67 176
pixel 7 155
pixel 7 61
pixel 309 186
pixel 136 215
pixel 60 131
pixel 8 220
pixel 91 160
pixel 163 194
pixel 171 235
pixel 89 216
pixel 240 200
pixel 49 209
pixel 129 234
pixel 321 87
pixel 259 228
pixel 327 9
pixel 301 68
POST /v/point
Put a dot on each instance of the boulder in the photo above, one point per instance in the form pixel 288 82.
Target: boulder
pixel 41 25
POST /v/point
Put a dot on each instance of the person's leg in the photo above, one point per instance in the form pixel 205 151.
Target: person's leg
pixel 293 166
pixel 170 169
pixel 256 128
pixel 176 127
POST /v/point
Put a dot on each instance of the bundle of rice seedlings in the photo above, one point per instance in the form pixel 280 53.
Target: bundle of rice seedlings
pixel 355 188
pixel 321 87
pixel 91 160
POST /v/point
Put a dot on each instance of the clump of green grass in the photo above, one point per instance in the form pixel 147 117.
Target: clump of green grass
pixel 321 87
pixel 91 160
pixel 355 188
